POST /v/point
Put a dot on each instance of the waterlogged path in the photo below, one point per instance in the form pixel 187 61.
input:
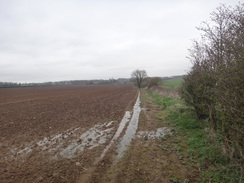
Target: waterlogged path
pixel 147 150
pixel 131 129
pixel 71 143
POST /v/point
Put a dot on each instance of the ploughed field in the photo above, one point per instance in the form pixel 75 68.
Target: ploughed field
pixel 46 132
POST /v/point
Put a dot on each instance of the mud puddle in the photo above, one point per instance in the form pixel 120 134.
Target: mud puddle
pixel 131 129
pixel 69 143
pixel 90 139
pixel 121 127
pixel 159 133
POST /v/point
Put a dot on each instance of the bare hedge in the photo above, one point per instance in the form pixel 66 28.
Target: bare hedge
pixel 215 83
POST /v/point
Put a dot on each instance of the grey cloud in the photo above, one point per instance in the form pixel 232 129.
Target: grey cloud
pixel 57 40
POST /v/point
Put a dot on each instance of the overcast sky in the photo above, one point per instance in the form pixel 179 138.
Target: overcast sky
pixel 53 40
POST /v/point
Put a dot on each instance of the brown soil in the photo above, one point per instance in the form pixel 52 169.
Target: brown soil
pixel 146 160
pixel 28 115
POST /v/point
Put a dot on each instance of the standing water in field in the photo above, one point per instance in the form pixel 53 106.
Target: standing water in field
pixel 72 142
pixel 122 125
pixel 69 143
pixel 131 129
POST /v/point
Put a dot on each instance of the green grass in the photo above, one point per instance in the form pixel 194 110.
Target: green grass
pixel 164 101
pixel 172 84
pixel 202 150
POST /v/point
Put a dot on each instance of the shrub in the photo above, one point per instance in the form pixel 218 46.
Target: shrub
pixel 214 85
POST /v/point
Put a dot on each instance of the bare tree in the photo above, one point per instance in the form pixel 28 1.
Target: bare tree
pixel 214 85
pixel 138 76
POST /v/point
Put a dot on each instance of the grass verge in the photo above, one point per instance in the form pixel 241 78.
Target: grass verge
pixel 199 146
pixel 172 84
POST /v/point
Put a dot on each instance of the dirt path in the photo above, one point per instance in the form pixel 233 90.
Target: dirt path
pixel 84 135
pixel 151 157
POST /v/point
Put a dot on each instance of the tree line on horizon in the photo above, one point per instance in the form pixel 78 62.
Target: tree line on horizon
pixel 69 82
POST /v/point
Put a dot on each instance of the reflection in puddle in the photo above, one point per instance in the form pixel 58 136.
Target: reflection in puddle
pixel 159 133
pixel 25 150
pixel 90 139
pixel 72 142
pixel 69 143
pixel 131 129
pixel 122 125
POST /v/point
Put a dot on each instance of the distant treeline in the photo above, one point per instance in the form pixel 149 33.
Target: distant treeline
pixel 71 82
pixel 172 77
pixel 81 82
pixel 215 84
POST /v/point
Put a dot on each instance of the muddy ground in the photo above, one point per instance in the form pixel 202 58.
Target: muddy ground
pixel 49 134
pixel 151 157
pixel 75 134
